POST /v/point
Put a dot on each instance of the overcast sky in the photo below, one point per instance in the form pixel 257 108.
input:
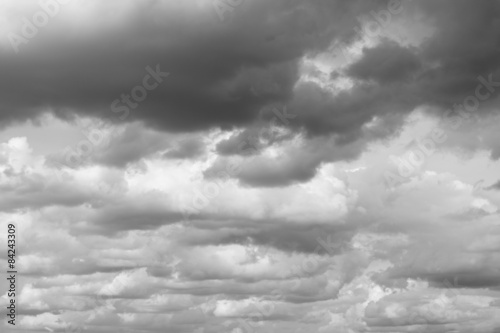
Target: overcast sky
pixel 247 166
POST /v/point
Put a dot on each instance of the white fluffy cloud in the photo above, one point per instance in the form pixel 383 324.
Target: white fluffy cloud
pixel 125 251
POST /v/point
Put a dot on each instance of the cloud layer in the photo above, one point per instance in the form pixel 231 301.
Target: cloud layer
pixel 326 166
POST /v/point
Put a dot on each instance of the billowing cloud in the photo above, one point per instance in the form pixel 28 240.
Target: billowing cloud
pixel 234 166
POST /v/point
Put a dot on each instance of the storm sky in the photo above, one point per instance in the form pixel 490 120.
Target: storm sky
pixel 251 165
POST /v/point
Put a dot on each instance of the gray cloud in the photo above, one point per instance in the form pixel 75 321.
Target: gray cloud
pixel 495 186
pixel 23 191
pixel 209 84
pixel 304 222
pixel 186 149
pixel 222 76
pixel 129 145
pixel 385 63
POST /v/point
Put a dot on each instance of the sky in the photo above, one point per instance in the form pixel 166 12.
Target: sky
pixel 247 166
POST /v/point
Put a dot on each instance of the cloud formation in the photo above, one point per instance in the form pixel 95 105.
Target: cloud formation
pixel 324 166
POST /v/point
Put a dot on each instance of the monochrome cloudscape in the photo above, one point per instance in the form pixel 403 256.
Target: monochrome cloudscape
pixel 251 165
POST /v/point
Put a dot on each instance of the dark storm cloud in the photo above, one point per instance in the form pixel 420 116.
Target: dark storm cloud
pixel 212 66
pixel 296 163
pixel 465 45
pixel 387 62
pixel 222 75
pixel 442 71
pixel 238 144
pixel 321 113
pixel 130 145
pixel 462 56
